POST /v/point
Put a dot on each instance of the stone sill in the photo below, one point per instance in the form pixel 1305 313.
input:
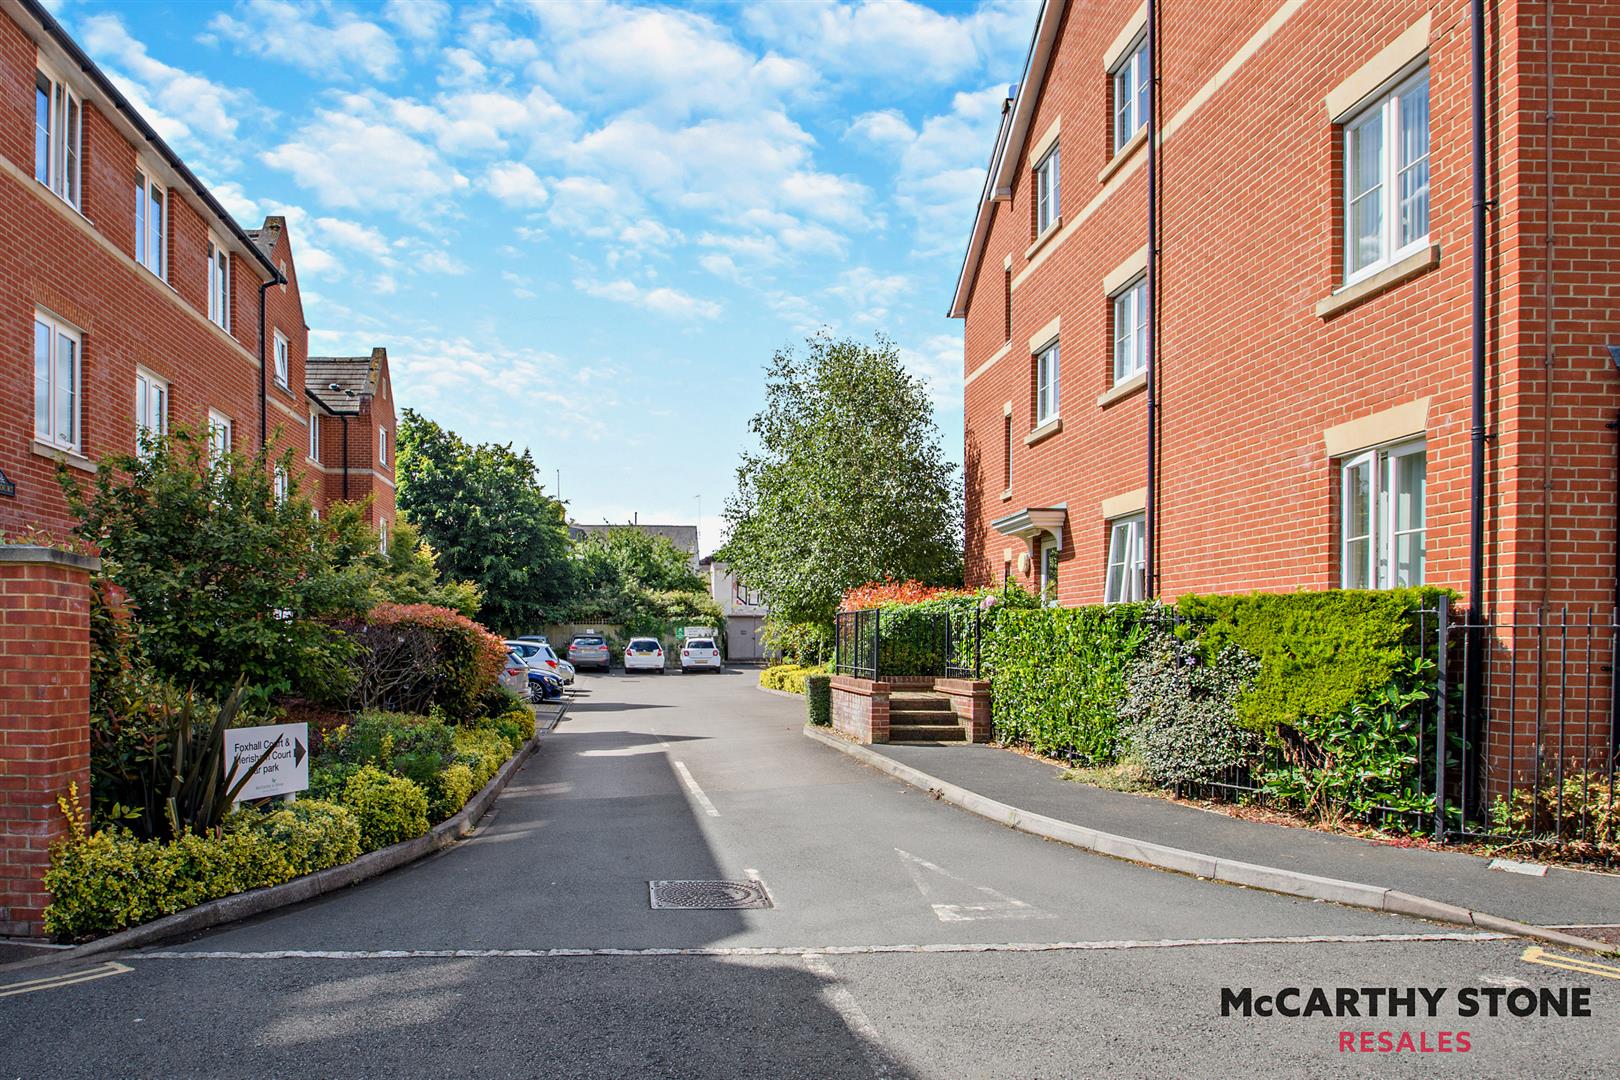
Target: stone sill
pixel 1122 390
pixel 1419 262
pixel 1041 240
pixel 56 453
pixel 1123 154
pixel 1045 431
pixel 1006 495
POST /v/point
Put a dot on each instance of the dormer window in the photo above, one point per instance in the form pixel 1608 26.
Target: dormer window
pixel 57 124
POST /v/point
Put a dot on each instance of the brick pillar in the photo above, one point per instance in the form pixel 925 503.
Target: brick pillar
pixel 44 716
pixel 860 708
pixel 970 700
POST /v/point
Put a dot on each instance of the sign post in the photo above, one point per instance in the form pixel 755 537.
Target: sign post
pixel 284 772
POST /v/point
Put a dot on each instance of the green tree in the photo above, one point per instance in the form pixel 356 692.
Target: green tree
pixel 407 573
pixel 483 511
pixel 226 582
pixel 639 580
pixel 849 483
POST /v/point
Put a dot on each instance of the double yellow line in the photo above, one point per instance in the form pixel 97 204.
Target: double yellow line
pixel 1535 954
pixel 56 982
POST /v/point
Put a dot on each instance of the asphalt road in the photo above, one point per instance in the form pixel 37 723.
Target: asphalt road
pixel 907 939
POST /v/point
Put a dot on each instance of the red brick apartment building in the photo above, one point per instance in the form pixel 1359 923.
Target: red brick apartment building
pixel 130 299
pixel 1313 336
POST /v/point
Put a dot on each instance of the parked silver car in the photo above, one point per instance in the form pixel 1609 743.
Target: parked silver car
pixel 590 650
pixel 515 674
pixel 540 657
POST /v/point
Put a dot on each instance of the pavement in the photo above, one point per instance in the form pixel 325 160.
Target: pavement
pixel 1560 898
pixel 906 939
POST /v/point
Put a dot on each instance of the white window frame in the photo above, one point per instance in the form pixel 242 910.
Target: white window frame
pixel 279 484
pixel 283 358
pixel 1381 538
pixel 219 285
pixel 1125 567
pixel 382 446
pixel 151 248
pixel 151 405
pixel 62 167
pixel 1048 187
pixel 382 536
pixel 1385 110
pixel 1132 93
pixel 314 436
pixel 63 405
pixel 1050 554
pixel 1048 371
pixel 1130 329
pixel 219 435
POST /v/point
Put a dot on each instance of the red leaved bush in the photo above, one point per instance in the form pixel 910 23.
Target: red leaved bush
pixel 878 593
pixel 415 656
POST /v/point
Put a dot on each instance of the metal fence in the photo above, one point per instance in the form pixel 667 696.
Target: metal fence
pixel 1515 737
pixel 868 645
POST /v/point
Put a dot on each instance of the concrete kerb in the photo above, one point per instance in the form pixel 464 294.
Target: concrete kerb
pixel 1231 871
pixel 780 693
pixel 245 905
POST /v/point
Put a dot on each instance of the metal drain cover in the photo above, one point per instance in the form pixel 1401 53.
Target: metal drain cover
pixel 708 895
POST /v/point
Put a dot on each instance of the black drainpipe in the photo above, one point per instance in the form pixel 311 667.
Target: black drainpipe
pixel 1150 523
pixel 1472 685
pixel 264 423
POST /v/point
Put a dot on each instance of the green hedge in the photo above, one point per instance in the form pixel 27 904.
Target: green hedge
pixel 391 809
pixel 818 699
pixel 1058 677
pixel 789 677
pixel 1320 652
pixel 106 881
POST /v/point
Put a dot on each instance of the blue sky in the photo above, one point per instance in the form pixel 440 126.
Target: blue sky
pixel 584 228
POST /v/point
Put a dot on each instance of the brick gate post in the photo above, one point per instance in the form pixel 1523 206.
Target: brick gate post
pixel 44 716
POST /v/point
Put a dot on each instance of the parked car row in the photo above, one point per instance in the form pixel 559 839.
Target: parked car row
pixel 594 651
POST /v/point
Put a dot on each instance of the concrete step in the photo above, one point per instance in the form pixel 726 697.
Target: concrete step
pixel 927 733
pixel 918 701
pixel 918 716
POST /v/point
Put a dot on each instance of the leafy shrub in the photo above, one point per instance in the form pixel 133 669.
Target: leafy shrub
pixel 450 791
pixel 798 642
pixel 107 880
pixel 483 751
pixel 1320 652
pixel 1578 810
pixel 312 834
pixel 328 778
pixel 1364 761
pixel 516 727
pixel 412 657
pixel 415 747
pixel 789 677
pixel 888 593
pixel 390 809
pixel 1177 716
pixel 1058 676
pixel 818 699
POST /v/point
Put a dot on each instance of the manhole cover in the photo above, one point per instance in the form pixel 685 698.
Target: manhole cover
pixel 710 895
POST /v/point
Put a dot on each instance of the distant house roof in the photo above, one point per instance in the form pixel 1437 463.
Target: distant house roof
pixel 338 382
pixel 264 238
pixel 684 537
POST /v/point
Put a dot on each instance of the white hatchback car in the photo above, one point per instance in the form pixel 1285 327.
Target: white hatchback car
pixel 644 654
pixel 700 654
pixel 541 657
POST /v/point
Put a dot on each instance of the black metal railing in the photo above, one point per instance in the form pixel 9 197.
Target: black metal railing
pixel 871 645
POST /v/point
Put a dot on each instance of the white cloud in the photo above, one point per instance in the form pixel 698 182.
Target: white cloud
pixel 662 299
pixel 352 160
pixel 186 109
pixel 515 184
pixel 419 20
pixel 871 296
pixel 338 46
pixel 938 360
pixel 896 41
pixel 439 262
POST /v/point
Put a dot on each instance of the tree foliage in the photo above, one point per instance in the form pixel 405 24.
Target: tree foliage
pixel 484 513
pixel 226 582
pixel 849 483
pixel 407 573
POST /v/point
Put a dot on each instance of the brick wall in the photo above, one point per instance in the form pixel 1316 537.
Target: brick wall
pixel 860 708
pixel 45 743
pixel 1251 375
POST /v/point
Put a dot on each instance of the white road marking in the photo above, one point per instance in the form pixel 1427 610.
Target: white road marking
pixel 996 905
pixel 826 950
pixel 73 978
pixel 1513 866
pixel 697 792
pixel 842 1002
